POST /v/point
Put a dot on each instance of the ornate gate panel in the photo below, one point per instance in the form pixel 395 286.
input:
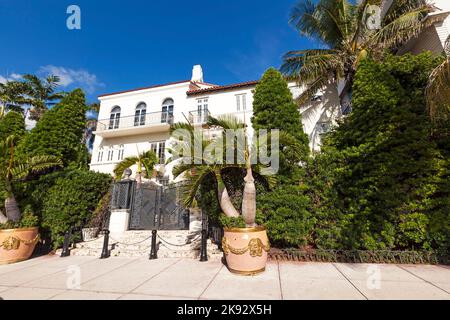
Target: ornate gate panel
pixel 157 207
pixel 174 215
pixel 145 207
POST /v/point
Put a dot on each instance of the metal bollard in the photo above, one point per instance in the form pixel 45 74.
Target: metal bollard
pixel 153 252
pixel 203 250
pixel 105 251
pixel 66 250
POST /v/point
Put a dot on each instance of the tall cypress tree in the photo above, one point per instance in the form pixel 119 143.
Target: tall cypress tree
pixel 275 108
pixel 60 130
pixel 12 124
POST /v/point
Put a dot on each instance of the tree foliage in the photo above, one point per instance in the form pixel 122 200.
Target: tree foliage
pixel 381 181
pixel 60 130
pixel 274 108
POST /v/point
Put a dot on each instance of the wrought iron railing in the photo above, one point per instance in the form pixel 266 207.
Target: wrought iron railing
pixel 136 121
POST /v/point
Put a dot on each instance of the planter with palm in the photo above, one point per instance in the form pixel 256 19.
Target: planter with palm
pixel 18 240
pixel 244 243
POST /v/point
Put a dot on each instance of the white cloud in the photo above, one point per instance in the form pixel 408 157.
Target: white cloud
pixel 11 77
pixel 71 77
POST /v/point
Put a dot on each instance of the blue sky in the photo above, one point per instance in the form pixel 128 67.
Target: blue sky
pixel 128 44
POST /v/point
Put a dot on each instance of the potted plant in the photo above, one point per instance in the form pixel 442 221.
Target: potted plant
pixel 19 233
pixel 244 244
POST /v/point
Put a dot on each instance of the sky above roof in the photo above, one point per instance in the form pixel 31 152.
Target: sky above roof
pixel 129 44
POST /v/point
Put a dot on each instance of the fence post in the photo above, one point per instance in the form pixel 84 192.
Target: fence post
pixel 203 249
pixel 105 251
pixel 153 252
pixel 66 250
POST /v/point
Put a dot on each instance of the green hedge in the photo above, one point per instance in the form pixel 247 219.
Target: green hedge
pixel 71 200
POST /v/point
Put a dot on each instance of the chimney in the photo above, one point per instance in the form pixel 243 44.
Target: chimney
pixel 197 73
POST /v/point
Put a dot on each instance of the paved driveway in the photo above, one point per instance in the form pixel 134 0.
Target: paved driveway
pixel 78 277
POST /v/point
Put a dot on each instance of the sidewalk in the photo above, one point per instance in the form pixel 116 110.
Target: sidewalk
pixel 50 277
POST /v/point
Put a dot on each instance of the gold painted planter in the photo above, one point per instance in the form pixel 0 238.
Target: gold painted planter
pixel 17 244
pixel 246 249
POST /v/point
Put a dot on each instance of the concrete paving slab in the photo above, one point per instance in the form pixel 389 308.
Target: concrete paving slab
pixel 128 277
pixel 310 270
pixel 85 295
pixel 186 278
pixel 4 288
pixel 227 285
pixel 387 272
pixel 52 266
pixel 443 286
pixel 429 272
pixel 19 293
pixel 4 268
pixel 317 289
pixel 133 296
pixel 87 271
pixel 390 290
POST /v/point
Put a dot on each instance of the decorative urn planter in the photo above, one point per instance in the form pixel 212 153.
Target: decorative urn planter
pixel 89 233
pixel 17 244
pixel 246 249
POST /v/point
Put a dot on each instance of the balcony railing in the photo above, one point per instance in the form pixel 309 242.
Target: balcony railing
pixel 198 117
pixel 136 121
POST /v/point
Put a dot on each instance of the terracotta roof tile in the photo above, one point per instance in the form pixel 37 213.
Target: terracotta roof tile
pixel 223 88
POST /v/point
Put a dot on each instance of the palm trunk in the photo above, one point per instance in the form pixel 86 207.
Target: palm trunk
pixel 224 198
pixel 12 209
pixel 249 199
pixel 3 218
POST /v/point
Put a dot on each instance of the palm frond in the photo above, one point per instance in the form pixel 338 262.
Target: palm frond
pixel 398 31
pixel 124 164
pixel 34 165
pixel 227 121
pixel 305 66
pixel 438 88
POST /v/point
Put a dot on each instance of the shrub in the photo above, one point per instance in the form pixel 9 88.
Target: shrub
pixel 286 213
pixel 71 200
pixel 385 168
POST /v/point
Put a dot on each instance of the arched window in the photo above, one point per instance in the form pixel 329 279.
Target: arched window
pixel 139 115
pixel 111 153
pixel 167 111
pixel 114 118
pixel 120 155
pixel 100 155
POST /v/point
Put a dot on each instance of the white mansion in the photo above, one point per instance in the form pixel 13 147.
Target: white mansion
pixel 134 121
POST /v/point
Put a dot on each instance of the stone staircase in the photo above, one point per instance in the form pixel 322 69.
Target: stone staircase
pixel 169 244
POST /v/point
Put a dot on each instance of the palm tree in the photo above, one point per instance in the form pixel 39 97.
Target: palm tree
pixel 438 89
pixel 346 38
pixel 195 169
pixel 13 170
pixel 42 93
pixel 13 95
pixel 145 160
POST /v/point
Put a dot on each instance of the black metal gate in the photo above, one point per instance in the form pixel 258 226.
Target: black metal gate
pixel 156 207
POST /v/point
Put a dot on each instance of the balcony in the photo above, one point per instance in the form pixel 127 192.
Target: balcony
pixel 134 125
pixel 199 117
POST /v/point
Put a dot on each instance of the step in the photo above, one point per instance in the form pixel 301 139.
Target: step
pixel 170 244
